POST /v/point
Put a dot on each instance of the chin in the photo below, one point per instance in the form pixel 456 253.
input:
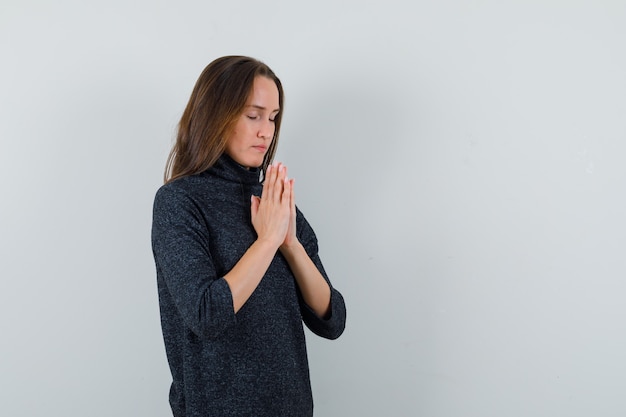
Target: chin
pixel 253 163
pixel 247 161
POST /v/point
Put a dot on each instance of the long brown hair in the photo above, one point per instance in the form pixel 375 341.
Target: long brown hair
pixel 217 100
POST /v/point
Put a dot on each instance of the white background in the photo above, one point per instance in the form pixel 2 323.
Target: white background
pixel 462 163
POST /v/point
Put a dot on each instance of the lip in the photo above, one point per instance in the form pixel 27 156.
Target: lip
pixel 260 148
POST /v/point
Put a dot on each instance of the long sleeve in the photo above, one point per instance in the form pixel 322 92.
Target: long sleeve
pixel 185 268
pixel 224 364
pixel 333 326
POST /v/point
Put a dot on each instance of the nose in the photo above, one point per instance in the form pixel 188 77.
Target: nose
pixel 266 130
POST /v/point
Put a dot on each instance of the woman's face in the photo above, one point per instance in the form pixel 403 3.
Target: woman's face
pixel 254 130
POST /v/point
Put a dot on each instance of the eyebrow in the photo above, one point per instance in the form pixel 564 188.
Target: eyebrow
pixel 256 106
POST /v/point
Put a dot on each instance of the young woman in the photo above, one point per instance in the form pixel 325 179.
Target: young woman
pixel 237 263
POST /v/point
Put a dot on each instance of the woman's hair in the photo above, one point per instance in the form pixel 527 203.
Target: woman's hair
pixel 217 101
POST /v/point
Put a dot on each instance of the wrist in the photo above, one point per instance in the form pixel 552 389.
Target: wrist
pixel 268 243
pixel 291 248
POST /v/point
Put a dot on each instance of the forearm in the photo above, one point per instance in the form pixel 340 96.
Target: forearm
pixel 314 288
pixel 249 270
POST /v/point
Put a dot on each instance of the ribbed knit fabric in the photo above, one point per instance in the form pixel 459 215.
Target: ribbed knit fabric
pixel 252 363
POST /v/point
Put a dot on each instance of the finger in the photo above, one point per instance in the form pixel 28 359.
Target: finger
pixel 275 189
pixel 279 183
pixel 293 214
pixel 254 205
pixel 267 181
pixel 287 192
pixel 293 195
pixel 282 171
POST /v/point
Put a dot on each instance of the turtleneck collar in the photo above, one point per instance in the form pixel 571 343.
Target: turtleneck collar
pixel 225 167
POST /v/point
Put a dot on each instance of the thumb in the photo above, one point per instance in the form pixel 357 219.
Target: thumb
pixel 254 205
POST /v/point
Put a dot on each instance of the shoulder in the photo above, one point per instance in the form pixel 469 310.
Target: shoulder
pixel 185 185
pixel 302 220
pixel 171 192
pixel 188 187
pixel 178 196
pixel 305 233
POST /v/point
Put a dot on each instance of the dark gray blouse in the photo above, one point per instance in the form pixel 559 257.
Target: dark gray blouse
pixel 252 363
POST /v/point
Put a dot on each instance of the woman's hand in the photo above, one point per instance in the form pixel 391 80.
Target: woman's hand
pixel 274 218
pixel 271 213
pixel 290 237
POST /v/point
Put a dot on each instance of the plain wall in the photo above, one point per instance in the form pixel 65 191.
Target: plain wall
pixel 461 162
